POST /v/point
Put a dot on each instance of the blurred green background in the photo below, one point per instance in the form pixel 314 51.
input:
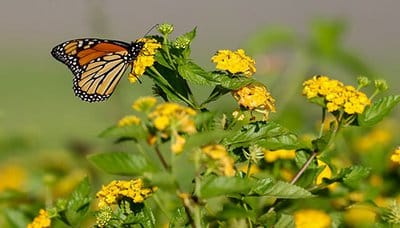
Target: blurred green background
pixel 290 40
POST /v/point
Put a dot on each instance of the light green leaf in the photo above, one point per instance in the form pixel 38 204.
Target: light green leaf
pixel 229 82
pixel 217 186
pixel 135 132
pixel 285 221
pixel 355 174
pixel 194 73
pixel 378 110
pixel 78 203
pixel 121 163
pixel 285 190
pixel 269 135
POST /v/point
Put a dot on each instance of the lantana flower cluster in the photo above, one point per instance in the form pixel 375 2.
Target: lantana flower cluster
pixel 167 120
pixel 254 96
pixel 144 59
pixel 117 189
pixel 337 96
pixel 41 221
pixel 222 161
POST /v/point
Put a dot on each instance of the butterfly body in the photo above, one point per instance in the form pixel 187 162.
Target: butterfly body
pixel 97 64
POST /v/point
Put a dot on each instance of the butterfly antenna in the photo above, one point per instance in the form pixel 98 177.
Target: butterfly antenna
pixel 153 27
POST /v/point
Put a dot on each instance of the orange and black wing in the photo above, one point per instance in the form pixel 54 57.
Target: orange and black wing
pixel 97 65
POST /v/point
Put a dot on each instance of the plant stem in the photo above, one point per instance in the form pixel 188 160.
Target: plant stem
pixel 161 157
pixel 304 167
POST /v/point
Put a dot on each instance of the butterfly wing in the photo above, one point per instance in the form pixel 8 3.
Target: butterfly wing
pixel 97 65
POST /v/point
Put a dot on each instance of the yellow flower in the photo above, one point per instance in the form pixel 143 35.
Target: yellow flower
pixel 128 120
pixel 255 97
pixel 178 144
pixel 325 173
pixel 114 191
pixel 309 218
pixel 396 156
pixel 271 156
pixel 234 62
pixel 359 216
pixel 336 94
pixel 144 59
pixel 18 175
pixel 66 185
pixel 223 161
pixel 254 169
pixel 144 104
pixel 379 136
pixel 41 221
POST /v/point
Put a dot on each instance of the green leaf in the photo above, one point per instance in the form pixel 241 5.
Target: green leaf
pixel 261 185
pixel 285 221
pixel 135 132
pixel 269 135
pixel 217 92
pixel 179 218
pixel 378 110
pixel 121 163
pixel 194 73
pixel 284 190
pixel 205 137
pixel 217 186
pixel 234 211
pixel 355 174
pixel 15 218
pixel 230 82
pixel 78 203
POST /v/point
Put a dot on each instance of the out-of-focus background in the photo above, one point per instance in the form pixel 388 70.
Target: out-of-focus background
pixel 41 121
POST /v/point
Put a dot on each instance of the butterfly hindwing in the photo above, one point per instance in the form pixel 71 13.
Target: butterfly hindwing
pixel 97 65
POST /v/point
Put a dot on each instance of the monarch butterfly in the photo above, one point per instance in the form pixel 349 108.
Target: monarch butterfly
pixel 97 64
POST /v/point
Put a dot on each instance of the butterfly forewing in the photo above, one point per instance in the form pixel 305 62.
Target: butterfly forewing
pixel 97 65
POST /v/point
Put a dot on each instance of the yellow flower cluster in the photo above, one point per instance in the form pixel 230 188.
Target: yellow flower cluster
pixel 234 62
pixel 143 104
pixel 271 156
pixel 255 97
pixel 336 94
pixel 396 156
pixel 172 119
pixel 114 191
pixel 218 153
pixel 144 59
pixel 128 120
pixel 41 221
pixel 310 218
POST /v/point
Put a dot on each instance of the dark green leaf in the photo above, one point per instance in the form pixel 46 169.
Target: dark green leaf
pixel 179 218
pixel 269 135
pixel 230 82
pixel 218 186
pixel 194 73
pixel 161 58
pixel 284 190
pixel 378 110
pixel 121 163
pixel 217 92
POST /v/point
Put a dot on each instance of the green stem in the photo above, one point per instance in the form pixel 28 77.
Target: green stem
pixel 161 157
pixel 321 130
pixel 248 168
